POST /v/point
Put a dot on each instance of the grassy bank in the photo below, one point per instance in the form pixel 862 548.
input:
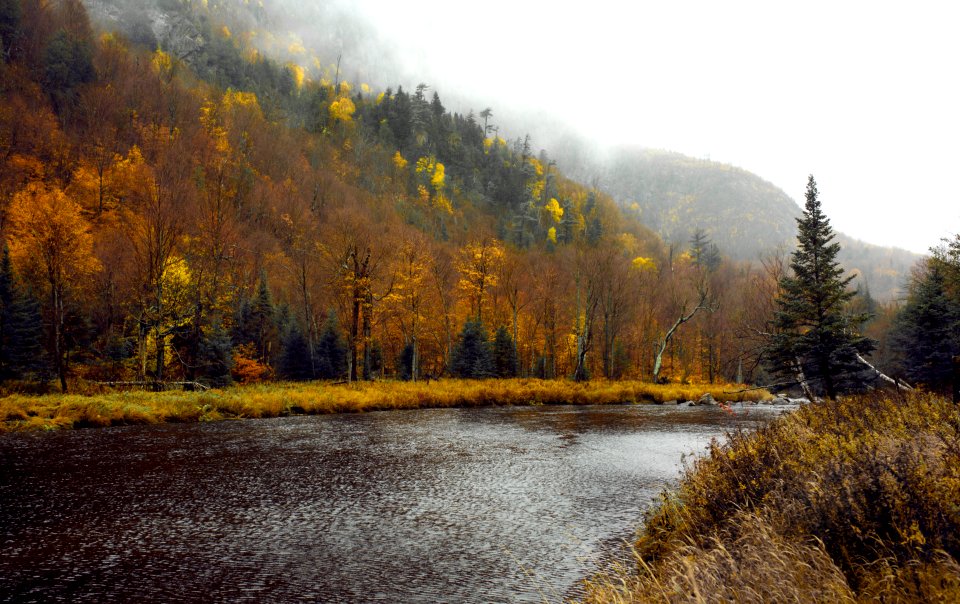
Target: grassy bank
pixel 51 411
pixel 845 501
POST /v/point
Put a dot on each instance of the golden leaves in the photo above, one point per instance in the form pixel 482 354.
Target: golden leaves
pixel 342 109
pixel 644 264
pixel 51 239
pixel 553 208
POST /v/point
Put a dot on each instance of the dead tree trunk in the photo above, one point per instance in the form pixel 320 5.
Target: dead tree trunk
pixel 702 304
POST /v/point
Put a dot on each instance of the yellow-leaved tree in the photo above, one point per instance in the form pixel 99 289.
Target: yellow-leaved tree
pixel 51 242
pixel 479 265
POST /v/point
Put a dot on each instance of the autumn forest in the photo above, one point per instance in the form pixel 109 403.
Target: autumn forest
pixel 235 221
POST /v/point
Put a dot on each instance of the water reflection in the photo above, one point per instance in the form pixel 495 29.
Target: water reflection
pixel 481 505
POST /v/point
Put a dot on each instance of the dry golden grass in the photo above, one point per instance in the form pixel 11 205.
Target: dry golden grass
pixel 52 411
pixel 855 500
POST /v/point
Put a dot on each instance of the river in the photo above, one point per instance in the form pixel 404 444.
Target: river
pixel 513 504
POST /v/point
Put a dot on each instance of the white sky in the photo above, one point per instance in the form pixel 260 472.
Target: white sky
pixel 864 95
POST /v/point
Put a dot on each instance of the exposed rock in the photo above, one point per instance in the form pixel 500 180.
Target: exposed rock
pixel 673 402
pixel 707 399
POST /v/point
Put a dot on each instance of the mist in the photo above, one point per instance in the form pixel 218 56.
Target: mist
pixel 860 95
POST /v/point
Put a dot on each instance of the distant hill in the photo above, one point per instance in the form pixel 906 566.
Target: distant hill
pixel 743 214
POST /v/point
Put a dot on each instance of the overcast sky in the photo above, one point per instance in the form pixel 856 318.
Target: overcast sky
pixel 864 95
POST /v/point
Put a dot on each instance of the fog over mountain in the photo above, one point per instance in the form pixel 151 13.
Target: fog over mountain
pixel 593 88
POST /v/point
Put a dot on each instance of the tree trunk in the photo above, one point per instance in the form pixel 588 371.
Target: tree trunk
pixel 802 380
pixel 58 337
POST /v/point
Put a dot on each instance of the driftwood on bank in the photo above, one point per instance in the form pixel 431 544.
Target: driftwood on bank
pixel 900 385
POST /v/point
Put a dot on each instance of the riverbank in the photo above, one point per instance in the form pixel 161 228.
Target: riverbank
pixel 839 502
pixel 108 408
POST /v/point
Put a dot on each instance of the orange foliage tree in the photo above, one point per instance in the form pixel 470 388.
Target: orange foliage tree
pixel 52 242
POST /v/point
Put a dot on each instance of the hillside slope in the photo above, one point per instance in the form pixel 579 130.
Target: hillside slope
pixel 746 216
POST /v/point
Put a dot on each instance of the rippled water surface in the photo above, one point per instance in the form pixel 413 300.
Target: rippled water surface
pixel 458 505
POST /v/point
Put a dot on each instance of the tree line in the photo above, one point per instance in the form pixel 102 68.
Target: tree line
pixel 161 226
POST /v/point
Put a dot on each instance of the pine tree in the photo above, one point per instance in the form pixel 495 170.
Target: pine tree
pixel 472 357
pixel 215 356
pixel 927 331
pixel 814 331
pixel 263 320
pixel 504 354
pixel 705 254
pixel 295 363
pixel 331 351
pixel 405 363
pixel 21 326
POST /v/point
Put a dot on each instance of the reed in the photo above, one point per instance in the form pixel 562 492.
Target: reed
pixel 101 407
pixel 850 500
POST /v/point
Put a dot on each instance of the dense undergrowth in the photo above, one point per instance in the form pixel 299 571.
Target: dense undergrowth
pixel 105 408
pixel 854 500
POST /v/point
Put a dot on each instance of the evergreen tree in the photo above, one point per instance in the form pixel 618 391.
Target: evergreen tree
pixel 472 357
pixel 405 363
pixel 27 356
pixel 814 331
pixel 927 331
pixel 263 320
pixel 504 354
pixel 295 363
pixel 21 326
pixel 376 359
pixel 331 350
pixel 215 357
pixel 705 254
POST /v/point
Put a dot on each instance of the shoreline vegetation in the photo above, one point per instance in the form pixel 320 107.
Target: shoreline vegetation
pixel 841 501
pixel 21 412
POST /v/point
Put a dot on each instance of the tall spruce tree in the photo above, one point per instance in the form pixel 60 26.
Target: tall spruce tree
pixel 927 331
pixel 504 354
pixel 21 326
pixel 331 350
pixel 472 357
pixel 295 362
pixel 215 356
pixel 814 332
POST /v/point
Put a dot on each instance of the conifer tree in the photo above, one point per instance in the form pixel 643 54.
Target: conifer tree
pixel 705 254
pixel 405 363
pixel 295 363
pixel 472 357
pixel 504 354
pixel 927 331
pixel 331 351
pixel 814 334
pixel 215 356
pixel 21 326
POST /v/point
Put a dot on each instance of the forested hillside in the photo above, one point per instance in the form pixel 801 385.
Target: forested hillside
pixel 745 215
pixel 228 217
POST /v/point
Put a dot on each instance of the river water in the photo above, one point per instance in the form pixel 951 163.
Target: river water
pixel 512 504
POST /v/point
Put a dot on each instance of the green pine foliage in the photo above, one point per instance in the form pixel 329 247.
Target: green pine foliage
pixel 812 323
pixel 21 327
pixel 295 361
pixel 504 354
pixel 927 331
pixel 405 363
pixel 331 352
pixel 215 357
pixel 472 357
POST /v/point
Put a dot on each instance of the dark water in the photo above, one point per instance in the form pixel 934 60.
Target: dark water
pixel 481 505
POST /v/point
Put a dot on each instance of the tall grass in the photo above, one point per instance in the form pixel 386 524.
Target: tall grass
pixel 51 411
pixel 851 500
